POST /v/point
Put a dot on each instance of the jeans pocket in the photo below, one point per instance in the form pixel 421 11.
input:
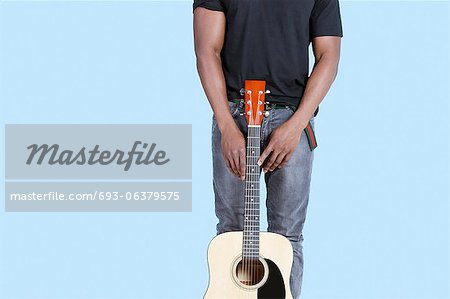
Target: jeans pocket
pixel 233 108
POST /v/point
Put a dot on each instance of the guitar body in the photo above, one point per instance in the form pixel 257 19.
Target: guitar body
pixel 224 255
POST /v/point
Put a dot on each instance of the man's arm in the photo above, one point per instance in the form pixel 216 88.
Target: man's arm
pixel 209 32
pixel 326 52
pixel 285 138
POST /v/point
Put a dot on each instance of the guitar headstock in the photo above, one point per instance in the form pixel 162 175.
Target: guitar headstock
pixel 255 92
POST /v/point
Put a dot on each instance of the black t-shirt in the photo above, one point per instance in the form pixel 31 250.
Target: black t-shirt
pixel 269 40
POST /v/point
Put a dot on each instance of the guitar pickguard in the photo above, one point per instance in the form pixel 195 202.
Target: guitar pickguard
pixel 274 288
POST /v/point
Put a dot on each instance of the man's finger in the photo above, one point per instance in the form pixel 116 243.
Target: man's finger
pixel 271 160
pixel 285 160
pixel 235 158
pixel 277 161
pixel 264 154
pixel 227 163
pixel 242 164
pixel 231 166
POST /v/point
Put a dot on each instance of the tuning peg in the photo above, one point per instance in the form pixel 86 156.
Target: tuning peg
pixel 242 91
pixel 267 91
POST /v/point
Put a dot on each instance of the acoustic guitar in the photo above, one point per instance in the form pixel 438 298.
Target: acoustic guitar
pixel 250 263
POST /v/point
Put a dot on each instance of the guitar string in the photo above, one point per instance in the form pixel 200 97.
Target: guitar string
pixel 246 237
pixel 254 195
pixel 259 174
pixel 250 260
pixel 250 228
pixel 253 248
pixel 247 191
pixel 257 202
pixel 252 211
pixel 249 247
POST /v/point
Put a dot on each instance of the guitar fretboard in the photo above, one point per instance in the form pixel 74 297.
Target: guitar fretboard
pixel 250 243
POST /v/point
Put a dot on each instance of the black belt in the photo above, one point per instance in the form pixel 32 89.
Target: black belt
pixel 310 134
pixel 268 105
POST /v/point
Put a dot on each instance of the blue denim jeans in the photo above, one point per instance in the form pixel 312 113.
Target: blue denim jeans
pixel 287 188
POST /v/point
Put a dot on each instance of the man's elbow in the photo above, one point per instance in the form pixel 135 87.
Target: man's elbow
pixel 206 57
pixel 206 53
pixel 329 60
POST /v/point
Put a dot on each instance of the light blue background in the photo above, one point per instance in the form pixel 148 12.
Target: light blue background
pixel 377 224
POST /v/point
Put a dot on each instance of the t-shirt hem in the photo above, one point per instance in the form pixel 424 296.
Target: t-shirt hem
pixel 327 34
pixel 205 5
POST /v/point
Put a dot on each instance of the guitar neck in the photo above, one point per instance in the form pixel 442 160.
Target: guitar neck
pixel 252 196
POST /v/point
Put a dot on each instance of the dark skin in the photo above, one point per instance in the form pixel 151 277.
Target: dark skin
pixel 209 32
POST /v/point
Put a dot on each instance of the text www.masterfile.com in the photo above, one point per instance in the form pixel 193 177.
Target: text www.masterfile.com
pixel 97 195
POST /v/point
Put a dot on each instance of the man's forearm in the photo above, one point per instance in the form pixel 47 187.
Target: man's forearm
pixel 209 67
pixel 322 76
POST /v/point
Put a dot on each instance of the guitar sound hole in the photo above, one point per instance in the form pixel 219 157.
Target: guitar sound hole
pixel 250 271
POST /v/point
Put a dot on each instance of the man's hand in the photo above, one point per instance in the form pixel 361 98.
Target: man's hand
pixel 233 150
pixel 282 143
